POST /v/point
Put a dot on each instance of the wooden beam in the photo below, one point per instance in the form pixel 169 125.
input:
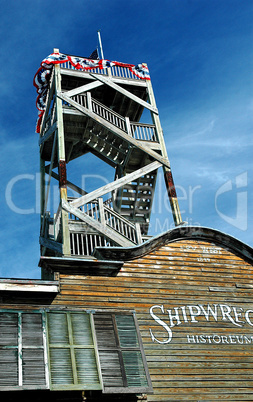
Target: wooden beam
pixel 115 184
pixel 51 244
pixel 115 130
pixel 84 88
pixel 110 83
pixel 104 230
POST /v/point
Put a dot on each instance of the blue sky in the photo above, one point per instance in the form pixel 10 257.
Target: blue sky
pixel 199 53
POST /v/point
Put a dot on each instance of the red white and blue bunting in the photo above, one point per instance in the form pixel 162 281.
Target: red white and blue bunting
pixel 42 77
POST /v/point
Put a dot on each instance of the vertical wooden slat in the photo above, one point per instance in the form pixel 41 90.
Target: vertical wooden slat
pixel 72 352
pixel 82 243
pixel 20 374
pixel 45 346
pixel 96 347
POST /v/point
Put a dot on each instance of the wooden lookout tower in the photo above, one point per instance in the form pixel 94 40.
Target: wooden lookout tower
pixel 96 107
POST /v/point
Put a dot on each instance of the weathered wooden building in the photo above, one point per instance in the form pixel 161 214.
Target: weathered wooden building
pixel 119 315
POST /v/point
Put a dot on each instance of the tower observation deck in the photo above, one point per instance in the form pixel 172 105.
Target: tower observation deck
pixel 96 106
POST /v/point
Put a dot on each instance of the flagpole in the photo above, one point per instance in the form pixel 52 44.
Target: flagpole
pixel 100 44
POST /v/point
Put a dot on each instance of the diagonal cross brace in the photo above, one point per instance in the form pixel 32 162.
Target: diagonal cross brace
pixel 103 229
pixel 117 131
pixel 110 83
pixel 84 88
pixel 115 184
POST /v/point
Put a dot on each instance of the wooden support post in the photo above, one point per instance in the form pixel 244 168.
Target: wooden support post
pixel 89 101
pixel 138 233
pixel 172 197
pixel 62 163
pixel 42 200
pixel 128 126
pixel 109 72
pixel 42 189
pixel 101 211
pixel 167 171
pixel 44 213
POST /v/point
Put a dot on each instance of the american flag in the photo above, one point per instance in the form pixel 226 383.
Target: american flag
pixel 94 55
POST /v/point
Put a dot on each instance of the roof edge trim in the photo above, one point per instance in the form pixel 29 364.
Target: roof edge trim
pixel 29 285
pixel 179 233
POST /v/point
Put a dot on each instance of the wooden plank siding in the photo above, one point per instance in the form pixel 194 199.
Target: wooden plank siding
pixel 178 274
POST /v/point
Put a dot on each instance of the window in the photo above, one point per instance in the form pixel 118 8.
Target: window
pixel 67 350
pixel 122 359
pixel 22 352
pixel 72 355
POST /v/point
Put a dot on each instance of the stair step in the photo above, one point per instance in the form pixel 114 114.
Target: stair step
pixel 109 139
pixel 144 180
pixel 107 149
pixel 141 203
pixel 129 213
pixel 137 196
pixel 139 191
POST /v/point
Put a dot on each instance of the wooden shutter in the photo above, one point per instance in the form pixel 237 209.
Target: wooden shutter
pixel 72 355
pixel 121 354
pixel 8 350
pixel 22 352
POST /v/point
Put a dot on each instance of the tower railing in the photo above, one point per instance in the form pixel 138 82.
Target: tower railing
pixel 108 114
pixel 143 132
pixel 114 71
pixel 139 131
pixel 82 244
pixel 83 240
pixel 108 216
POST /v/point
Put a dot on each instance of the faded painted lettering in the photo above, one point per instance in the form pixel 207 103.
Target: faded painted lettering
pixel 171 318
